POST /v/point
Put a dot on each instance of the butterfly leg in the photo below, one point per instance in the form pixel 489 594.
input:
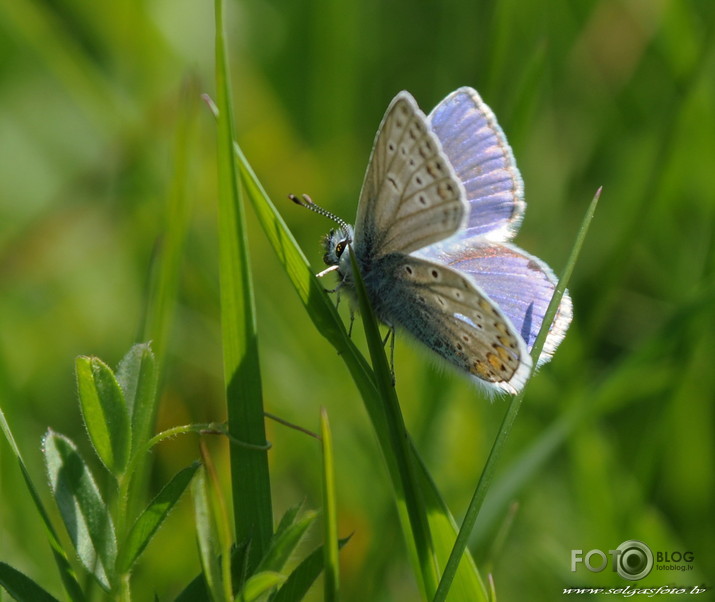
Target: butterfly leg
pixel 391 336
pixel 352 321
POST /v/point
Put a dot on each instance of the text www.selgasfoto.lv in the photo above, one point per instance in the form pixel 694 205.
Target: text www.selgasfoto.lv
pixel 629 591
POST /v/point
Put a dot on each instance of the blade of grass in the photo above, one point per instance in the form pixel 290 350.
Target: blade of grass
pixel 164 284
pixel 252 507
pixel 331 582
pixel 399 442
pixel 208 540
pixel 165 279
pixel 21 587
pixel 259 585
pixel 69 579
pixel 487 476
pixel 298 583
pixel 152 518
pixel 326 319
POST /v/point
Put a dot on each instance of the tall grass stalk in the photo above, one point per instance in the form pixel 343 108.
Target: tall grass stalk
pixel 485 481
pixel 252 507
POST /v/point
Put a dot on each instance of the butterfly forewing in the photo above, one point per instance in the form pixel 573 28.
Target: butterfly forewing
pixel 483 160
pixel 447 312
pixel 411 196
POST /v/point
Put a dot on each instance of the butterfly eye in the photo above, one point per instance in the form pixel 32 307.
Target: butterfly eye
pixel 340 247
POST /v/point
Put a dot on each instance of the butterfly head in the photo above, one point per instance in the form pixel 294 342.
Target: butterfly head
pixel 336 243
pixel 337 240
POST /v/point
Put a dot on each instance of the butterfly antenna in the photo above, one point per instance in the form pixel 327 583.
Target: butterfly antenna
pixel 308 203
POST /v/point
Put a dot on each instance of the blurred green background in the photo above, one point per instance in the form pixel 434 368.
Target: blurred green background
pixel 615 439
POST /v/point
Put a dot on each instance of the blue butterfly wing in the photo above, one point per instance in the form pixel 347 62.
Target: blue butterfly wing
pixel 520 284
pixel 482 159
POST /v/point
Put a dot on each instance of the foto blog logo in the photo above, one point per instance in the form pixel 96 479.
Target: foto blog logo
pixel 632 560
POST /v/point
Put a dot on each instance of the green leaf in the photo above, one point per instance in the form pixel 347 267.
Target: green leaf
pixel 260 584
pixel 21 587
pixel 283 544
pixel 331 583
pixel 104 411
pixel 153 516
pixel 303 576
pixel 82 508
pixel 209 546
pixel 288 519
pixel 69 579
pixel 252 506
pixel 136 375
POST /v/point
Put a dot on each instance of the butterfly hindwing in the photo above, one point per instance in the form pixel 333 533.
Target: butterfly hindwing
pixel 411 196
pixel 448 312
pixel 519 283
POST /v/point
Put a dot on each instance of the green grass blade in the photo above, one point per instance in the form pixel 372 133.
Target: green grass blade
pixel 105 412
pixel 259 585
pixel 487 476
pixel 165 278
pixel 82 508
pixel 21 587
pixel 327 321
pixel 311 292
pixel 209 547
pixel 288 519
pixel 69 579
pixel 331 581
pixel 252 508
pixel 153 516
pixel 283 545
pixel 468 585
pixel 303 576
pixel 399 442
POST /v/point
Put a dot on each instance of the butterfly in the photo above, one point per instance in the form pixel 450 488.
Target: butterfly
pixel 441 199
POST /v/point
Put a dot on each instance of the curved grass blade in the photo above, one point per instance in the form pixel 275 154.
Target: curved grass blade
pixel 67 574
pixel 260 584
pixel 284 543
pixel 327 321
pixel 303 576
pixel 407 486
pixel 21 587
pixel 82 508
pixel 489 469
pixel 209 547
pixel 153 516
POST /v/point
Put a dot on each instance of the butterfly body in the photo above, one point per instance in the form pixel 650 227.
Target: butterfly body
pixel 441 199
